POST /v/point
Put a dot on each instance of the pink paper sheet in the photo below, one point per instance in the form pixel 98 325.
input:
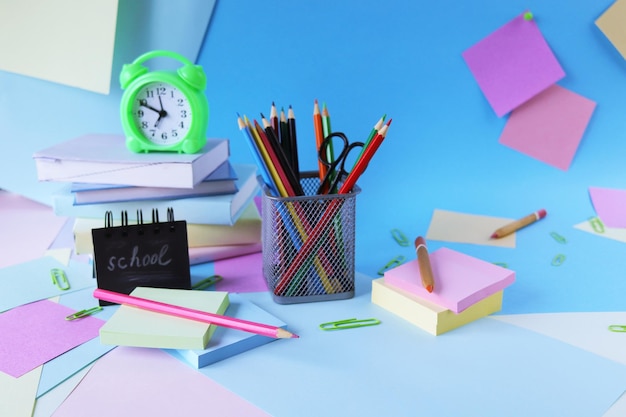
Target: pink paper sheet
pixel 513 64
pixel 131 382
pixel 241 274
pixel 21 217
pixel 550 126
pixel 610 205
pixel 34 333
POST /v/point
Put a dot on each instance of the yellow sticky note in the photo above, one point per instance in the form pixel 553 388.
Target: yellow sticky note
pixel 450 226
pixel 612 22
pixel 64 41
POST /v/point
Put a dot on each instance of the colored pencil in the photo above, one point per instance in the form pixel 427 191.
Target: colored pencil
pixel 293 140
pixel 283 138
pixel 265 173
pixel 274 119
pixel 518 224
pixel 191 314
pixel 273 160
pixel 319 137
pixel 373 132
pixel 281 159
pixel 423 261
pixel 280 187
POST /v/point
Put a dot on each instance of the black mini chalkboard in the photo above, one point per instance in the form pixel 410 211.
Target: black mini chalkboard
pixel 141 255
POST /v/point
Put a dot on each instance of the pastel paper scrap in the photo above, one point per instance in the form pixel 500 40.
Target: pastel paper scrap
pixel 17 395
pixel 550 126
pixel 241 274
pixel 611 23
pixel 614 233
pixel 150 382
pixel 513 64
pixel 450 226
pixel 610 205
pixel 35 333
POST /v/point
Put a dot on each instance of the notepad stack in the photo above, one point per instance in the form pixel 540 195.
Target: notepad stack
pixel 466 289
pixel 212 195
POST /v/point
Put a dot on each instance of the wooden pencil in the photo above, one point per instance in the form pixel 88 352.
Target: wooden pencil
pixel 423 261
pixel 293 140
pixel 518 224
pixel 319 137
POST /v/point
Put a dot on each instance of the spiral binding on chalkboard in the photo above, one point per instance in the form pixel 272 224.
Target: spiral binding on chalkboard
pixel 108 222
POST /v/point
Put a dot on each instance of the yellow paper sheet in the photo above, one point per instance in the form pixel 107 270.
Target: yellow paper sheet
pixel 612 23
pixel 64 41
pixel 17 395
pixel 450 226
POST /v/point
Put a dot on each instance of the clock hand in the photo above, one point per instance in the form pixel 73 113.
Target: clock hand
pixel 162 113
pixel 144 103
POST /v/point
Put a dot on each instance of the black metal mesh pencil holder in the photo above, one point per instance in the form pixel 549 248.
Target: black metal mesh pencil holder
pixel 308 244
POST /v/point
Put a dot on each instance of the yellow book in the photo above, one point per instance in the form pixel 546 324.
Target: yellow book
pixel 247 230
pixel 132 326
pixel 429 316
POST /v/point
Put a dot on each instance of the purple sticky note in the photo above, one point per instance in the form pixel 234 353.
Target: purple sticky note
pixel 513 64
pixel 550 126
pixel 35 333
pixel 610 205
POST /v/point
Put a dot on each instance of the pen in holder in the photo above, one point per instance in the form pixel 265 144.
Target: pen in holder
pixel 327 273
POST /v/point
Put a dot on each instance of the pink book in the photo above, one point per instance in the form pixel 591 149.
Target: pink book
pixel 460 280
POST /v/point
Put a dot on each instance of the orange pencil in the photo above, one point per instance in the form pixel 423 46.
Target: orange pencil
pixel 423 260
pixel 319 137
pixel 518 224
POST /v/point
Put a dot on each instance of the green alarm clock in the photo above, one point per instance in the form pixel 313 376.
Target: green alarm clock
pixel 164 110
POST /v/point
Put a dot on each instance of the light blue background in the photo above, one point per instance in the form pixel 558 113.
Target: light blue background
pixel 402 58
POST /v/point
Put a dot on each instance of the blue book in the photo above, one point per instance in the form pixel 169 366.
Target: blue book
pixel 214 209
pixel 226 342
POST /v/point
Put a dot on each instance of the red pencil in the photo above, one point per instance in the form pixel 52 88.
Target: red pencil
pixel 319 137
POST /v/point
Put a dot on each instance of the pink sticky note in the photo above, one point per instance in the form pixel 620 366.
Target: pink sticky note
pixel 241 274
pixel 549 127
pixel 610 205
pixel 34 333
pixel 460 280
pixel 513 64
pixel 130 382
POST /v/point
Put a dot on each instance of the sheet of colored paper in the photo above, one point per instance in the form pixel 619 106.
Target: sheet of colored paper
pixel 483 355
pixel 588 331
pixel 615 233
pixel 34 333
pixel 64 366
pixel 30 281
pixel 611 23
pixel 17 395
pixel 452 226
pixel 550 126
pixel 609 205
pixel 19 217
pixel 513 64
pixel 77 49
pixel 151 382
pixel 47 403
pixel 241 273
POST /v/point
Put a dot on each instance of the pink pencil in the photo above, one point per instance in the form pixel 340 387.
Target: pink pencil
pixel 191 314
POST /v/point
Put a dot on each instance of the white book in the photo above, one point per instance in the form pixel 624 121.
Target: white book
pixel 217 209
pixel 220 181
pixel 105 159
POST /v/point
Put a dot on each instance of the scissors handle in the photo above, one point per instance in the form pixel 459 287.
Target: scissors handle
pixel 336 168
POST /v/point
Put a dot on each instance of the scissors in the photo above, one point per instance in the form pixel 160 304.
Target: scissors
pixel 336 168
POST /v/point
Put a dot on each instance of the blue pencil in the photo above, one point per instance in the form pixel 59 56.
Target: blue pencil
pixel 257 156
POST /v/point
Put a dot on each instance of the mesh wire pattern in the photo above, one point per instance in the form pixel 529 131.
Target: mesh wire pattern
pixel 326 271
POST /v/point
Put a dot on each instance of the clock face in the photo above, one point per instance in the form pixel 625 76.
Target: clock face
pixel 162 113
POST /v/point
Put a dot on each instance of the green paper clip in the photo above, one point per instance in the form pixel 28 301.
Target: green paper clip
pixel 528 16
pixel 83 313
pixel 399 237
pixel 502 264
pixel 558 260
pixel 348 324
pixel 60 279
pixel 617 328
pixel 207 282
pixel 391 264
pixel 558 237
pixel 596 224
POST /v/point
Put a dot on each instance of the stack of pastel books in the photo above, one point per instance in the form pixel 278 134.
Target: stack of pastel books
pixel 213 196
pixel 195 343
pixel 466 289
